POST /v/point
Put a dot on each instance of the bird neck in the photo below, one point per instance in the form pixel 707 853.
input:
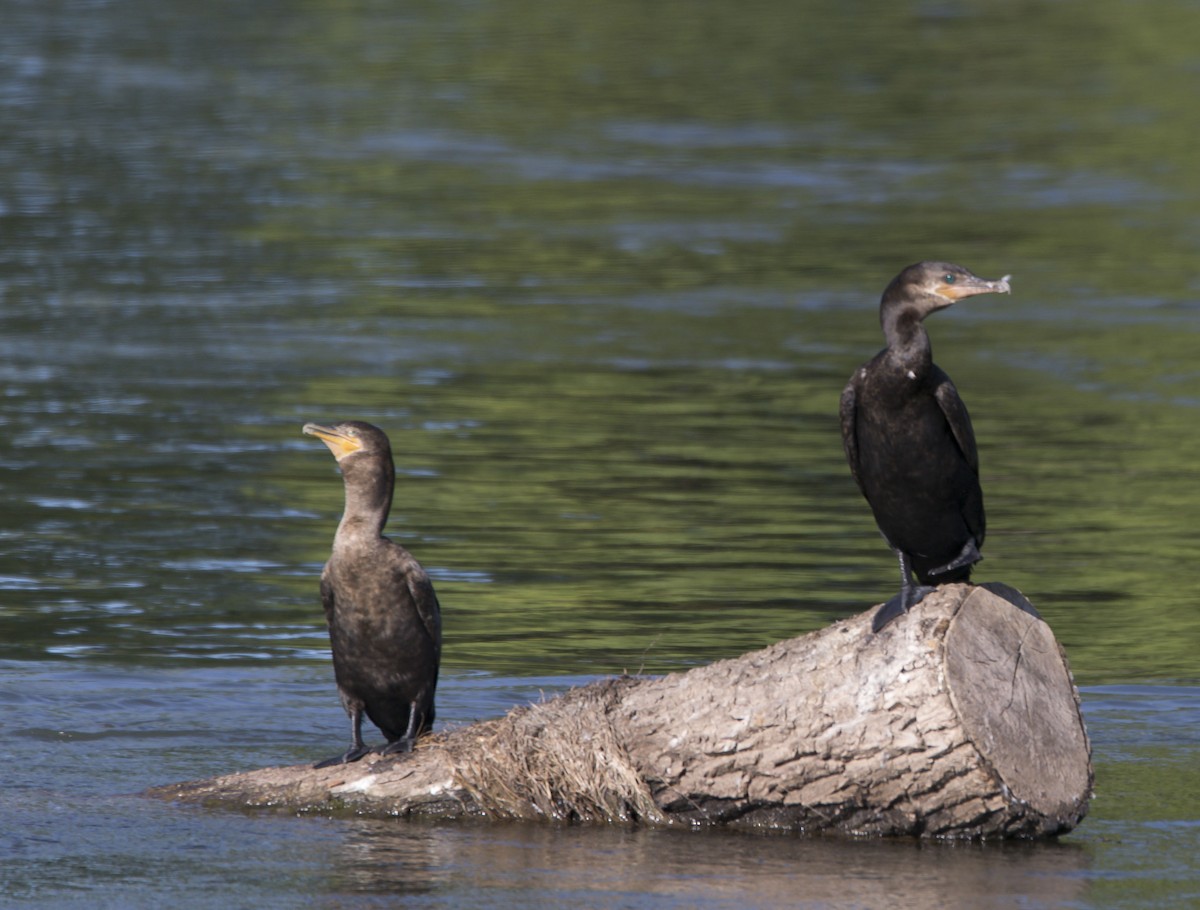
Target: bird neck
pixel 907 341
pixel 368 500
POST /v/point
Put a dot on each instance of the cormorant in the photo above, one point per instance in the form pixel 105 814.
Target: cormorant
pixel 385 625
pixel 909 441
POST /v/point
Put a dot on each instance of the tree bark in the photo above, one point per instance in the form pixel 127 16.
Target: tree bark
pixel 959 719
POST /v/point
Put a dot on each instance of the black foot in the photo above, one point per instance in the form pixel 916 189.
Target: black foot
pixel 1013 596
pixel 403 744
pixel 899 605
pixel 350 755
pixel 968 557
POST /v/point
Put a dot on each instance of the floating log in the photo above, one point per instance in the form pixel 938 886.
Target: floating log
pixel 960 719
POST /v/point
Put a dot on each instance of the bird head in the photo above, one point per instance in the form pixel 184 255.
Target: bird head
pixel 932 286
pixel 350 437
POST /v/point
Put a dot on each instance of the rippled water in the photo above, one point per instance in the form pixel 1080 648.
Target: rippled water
pixel 601 273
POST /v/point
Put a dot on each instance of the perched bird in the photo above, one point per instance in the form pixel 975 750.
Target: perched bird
pixel 909 441
pixel 385 625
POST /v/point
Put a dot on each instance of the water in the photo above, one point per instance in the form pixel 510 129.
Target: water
pixel 601 272
pixel 87 737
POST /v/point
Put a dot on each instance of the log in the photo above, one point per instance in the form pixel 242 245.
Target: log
pixel 961 719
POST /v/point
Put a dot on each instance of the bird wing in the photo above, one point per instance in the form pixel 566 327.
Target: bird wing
pixel 414 581
pixel 956 415
pixel 327 597
pixel 847 409
pixel 426 602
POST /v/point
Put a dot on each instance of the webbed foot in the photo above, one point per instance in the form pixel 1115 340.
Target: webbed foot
pixel 908 598
pixel 353 754
pixel 968 557
pixel 1013 596
pixel 403 744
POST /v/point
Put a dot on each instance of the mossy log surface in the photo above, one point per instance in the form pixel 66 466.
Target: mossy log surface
pixel 960 719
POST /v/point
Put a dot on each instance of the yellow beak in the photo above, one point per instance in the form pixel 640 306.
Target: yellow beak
pixel 340 444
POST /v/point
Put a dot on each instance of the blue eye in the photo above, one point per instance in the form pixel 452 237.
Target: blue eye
pixel 948 278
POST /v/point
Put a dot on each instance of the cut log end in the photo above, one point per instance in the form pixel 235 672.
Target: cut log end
pixel 1009 681
pixel 958 720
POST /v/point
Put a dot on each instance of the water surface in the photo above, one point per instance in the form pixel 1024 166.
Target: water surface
pixel 601 273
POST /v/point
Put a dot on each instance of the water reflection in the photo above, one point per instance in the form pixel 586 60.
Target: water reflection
pixel 600 271
pixel 374 859
pixel 115 730
pixel 605 303
pixel 611 868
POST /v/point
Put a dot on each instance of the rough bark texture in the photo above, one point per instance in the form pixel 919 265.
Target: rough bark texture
pixel 958 720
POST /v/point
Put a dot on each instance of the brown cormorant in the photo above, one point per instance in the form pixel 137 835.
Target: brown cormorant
pixel 385 626
pixel 909 441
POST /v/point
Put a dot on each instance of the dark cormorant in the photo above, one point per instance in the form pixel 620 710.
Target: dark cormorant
pixel 385 626
pixel 909 441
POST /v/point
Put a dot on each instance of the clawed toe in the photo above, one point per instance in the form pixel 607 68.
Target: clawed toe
pixel 352 754
pixel 404 744
pixel 899 605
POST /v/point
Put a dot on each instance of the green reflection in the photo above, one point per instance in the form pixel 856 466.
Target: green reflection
pixel 651 515
pixel 601 271
pixel 602 274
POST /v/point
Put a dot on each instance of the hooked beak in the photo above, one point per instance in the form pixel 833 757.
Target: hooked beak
pixel 973 285
pixel 339 442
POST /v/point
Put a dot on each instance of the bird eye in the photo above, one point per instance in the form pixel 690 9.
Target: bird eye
pixel 948 278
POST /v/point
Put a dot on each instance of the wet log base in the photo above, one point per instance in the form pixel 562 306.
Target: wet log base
pixel 958 720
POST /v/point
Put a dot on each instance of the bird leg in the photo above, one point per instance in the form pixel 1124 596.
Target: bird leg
pixel 910 595
pixel 405 743
pixel 357 748
pixel 968 557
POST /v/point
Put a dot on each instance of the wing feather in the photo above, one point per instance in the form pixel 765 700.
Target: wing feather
pixel 848 411
pixel 956 415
